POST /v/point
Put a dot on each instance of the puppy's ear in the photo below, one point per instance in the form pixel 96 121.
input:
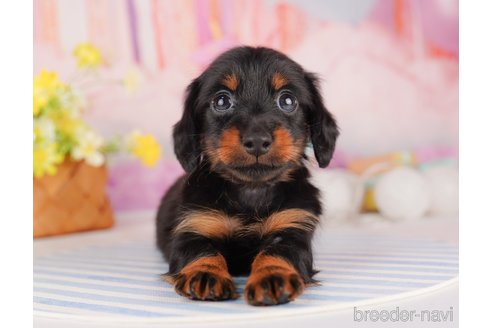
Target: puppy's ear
pixel 186 131
pixel 323 128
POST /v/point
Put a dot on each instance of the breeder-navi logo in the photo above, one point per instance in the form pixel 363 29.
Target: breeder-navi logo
pixel 403 315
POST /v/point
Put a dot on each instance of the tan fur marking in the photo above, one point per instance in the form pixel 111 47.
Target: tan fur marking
pixel 209 223
pixel 230 150
pixel 216 224
pixel 264 262
pixel 278 81
pixel 265 266
pixel 215 267
pixel 291 218
pixel 231 82
pixel 230 144
pixel 215 264
pixel 284 147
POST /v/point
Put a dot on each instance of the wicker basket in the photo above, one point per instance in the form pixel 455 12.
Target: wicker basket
pixel 72 200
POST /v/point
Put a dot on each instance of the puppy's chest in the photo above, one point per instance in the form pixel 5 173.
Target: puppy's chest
pixel 216 224
pixel 252 204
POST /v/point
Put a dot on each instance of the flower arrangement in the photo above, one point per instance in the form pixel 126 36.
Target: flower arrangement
pixel 69 156
pixel 60 131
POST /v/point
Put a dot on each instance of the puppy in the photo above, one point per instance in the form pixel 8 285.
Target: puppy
pixel 245 205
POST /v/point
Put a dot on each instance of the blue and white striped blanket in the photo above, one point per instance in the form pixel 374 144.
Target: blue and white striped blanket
pixel 122 281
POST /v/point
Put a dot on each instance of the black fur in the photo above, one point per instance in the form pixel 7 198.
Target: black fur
pixel 208 186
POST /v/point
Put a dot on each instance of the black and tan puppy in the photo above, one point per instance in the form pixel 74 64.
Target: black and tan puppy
pixel 245 205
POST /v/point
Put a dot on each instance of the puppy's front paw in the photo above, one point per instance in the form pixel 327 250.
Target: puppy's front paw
pixel 205 279
pixel 270 288
pixel 205 286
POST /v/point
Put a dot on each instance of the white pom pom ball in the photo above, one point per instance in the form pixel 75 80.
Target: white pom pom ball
pixel 402 194
pixel 444 188
pixel 341 193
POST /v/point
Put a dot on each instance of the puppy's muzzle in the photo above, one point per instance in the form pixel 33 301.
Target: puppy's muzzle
pixel 257 143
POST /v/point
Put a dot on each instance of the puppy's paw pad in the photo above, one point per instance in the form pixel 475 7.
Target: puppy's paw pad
pixel 205 286
pixel 274 288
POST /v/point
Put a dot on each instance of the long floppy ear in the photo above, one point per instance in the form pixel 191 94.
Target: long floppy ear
pixel 322 125
pixel 186 131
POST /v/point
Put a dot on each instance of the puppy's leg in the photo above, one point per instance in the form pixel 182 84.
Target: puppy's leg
pixel 280 271
pixel 198 271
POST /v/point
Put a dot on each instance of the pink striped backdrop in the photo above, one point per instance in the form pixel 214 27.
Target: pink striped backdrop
pixel 389 67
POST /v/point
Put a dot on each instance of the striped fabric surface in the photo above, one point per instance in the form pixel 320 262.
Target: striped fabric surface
pixel 122 281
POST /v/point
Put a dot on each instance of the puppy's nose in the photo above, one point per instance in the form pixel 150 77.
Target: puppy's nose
pixel 257 144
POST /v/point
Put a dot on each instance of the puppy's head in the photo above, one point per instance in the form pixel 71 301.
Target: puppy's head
pixel 251 114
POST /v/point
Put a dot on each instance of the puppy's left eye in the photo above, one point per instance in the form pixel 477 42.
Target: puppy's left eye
pixel 222 102
pixel 287 102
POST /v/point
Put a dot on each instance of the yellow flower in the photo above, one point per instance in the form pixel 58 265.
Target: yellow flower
pixel 88 148
pixel 44 129
pixel 145 147
pixel 45 86
pixel 66 123
pixel 37 104
pixel 45 159
pixel 87 55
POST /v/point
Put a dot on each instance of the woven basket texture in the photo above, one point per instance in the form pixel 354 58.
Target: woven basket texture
pixel 72 200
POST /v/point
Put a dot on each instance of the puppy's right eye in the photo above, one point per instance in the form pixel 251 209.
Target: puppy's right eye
pixel 222 102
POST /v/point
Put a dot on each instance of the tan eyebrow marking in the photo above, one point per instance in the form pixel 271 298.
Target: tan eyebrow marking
pixel 278 81
pixel 231 82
